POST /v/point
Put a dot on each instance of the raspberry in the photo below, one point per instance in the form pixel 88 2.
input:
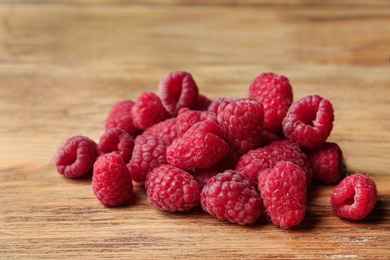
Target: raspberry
pixel 213 107
pixel 171 189
pixel 187 118
pixel 326 162
pixel 149 152
pixel 255 161
pixel 230 196
pixel 283 190
pixel 76 156
pixel 201 146
pixel 111 180
pixel 242 123
pixel 148 110
pixel 166 129
pixel 202 103
pixel 354 197
pixel 177 90
pixel 309 121
pixel 116 140
pixel 275 93
pixel 120 117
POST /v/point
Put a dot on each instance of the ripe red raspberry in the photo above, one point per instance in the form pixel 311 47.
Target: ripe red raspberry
pixel 326 162
pixel 148 110
pixel 242 123
pixel 309 121
pixel 283 190
pixel 354 197
pixel 275 93
pixel 187 118
pixel 230 196
pixel 120 117
pixel 177 90
pixel 213 107
pixel 111 180
pixel 166 129
pixel 201 146
pixel 202 103
pixel 255 161
pixel 149 152
pixel 172 189
pixel 76 156
pixel 116 140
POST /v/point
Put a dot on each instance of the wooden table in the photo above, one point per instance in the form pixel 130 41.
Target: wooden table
pixel 63 64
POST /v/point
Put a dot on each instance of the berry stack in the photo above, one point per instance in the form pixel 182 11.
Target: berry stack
pixel 235 158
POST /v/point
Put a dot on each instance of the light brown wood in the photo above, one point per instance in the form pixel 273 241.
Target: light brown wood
pixel 63 64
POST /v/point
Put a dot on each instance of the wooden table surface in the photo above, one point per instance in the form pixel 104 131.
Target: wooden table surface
pixel 63 64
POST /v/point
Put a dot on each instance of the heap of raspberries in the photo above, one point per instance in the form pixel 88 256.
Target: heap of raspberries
pixel 235 158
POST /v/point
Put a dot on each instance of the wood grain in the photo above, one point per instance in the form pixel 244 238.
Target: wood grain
pixel 63 64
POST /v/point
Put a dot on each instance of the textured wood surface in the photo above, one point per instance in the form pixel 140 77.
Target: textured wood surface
pixel 63 64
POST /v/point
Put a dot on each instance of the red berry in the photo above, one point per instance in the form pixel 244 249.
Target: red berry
pixel 230 196
pixel 120 117
pixel 213 107
pixel 111 181
pixel 354 197
pixel 172 189
pixel 242 123
pixel 187 118
pixel 166 129
pixel 149 152
pixel 148 110
pixel 309 121
pixel 116 140
pixel 275 93
pixel 283 190
pixel 255 161
pixel 76 156
pixel 201 146
pixel 177 90
pixel 326 162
